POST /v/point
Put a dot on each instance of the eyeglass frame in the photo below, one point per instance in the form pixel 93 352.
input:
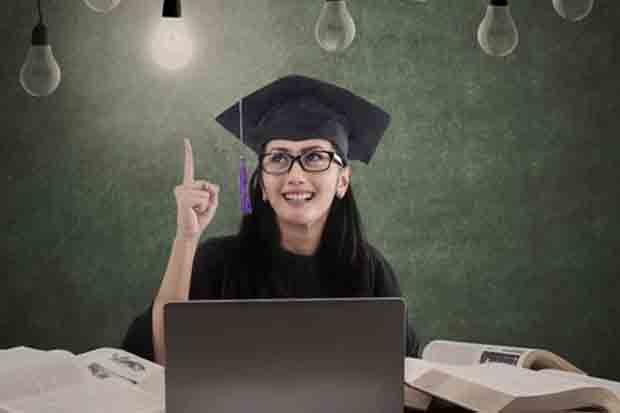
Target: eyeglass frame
pixel 332 156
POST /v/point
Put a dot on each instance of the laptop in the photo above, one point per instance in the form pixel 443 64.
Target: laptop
pixel 285 355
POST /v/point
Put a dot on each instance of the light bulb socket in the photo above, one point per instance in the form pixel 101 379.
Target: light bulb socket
pixel 172 8
pixel 39 35
pixel 498 3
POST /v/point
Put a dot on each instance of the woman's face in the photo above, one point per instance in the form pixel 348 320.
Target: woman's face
pixel 301 198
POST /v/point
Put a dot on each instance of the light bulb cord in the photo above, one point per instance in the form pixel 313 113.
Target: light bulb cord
pixel 40 12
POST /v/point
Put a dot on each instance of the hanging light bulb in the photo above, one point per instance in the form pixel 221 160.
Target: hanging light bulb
pixel 172 45
pixel 335 28
pixel 40 74
pixel 102 6
pixel 497 33
pixel 573 10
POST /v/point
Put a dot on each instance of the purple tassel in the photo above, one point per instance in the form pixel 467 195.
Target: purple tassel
pixel 244 196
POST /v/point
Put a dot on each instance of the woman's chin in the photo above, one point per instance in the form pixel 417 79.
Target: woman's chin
pixel 304 219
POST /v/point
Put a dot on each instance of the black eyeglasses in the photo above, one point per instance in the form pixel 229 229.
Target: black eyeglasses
pixel 279 162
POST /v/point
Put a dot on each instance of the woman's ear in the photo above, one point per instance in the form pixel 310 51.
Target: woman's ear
pixel 344 179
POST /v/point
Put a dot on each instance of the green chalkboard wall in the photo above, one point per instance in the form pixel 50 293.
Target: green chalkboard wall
pixel 494 194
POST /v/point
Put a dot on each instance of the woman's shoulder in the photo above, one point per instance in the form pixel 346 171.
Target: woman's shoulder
pixel 384 275
pixel 215 260
pixel 220 242
pixel 375 255
pixel 218 247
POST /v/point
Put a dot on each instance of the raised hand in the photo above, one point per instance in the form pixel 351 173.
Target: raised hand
pixel 196 200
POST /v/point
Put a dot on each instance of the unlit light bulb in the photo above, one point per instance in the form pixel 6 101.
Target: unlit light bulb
pixel 335 28
pixel 102 6
pixel 172 45
pixel 497 33
pixel 40 73
pixel 573 10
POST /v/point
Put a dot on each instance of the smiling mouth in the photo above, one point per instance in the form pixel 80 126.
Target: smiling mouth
pixel 298 196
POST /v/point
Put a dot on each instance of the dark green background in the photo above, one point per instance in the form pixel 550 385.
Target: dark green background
pixel 494 193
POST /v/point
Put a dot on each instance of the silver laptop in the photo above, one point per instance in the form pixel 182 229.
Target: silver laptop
pixel 285 355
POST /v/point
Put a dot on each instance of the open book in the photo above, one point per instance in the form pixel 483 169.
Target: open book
pixel 57 381
pixel 504 379
pixel 460 353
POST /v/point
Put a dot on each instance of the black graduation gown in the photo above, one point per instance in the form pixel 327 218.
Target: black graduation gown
pixel 216 258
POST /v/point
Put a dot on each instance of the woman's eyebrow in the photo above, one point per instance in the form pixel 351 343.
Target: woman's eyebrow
pixel 309 148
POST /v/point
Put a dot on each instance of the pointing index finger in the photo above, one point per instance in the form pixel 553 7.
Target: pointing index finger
pixel 188 170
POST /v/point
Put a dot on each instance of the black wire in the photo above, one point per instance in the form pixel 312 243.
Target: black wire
pixel 40 13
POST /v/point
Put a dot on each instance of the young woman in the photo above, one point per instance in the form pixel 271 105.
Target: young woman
pixel 304 236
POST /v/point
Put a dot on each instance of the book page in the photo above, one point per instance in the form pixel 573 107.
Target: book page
pixel 514 381
pixel 5 409
pixel 493 386
pixel 414 368
pixel 415 399
pixel 462 353
pixel 433 379
pixel 37 374
pixel 96 396
pixel 19 357
pixel 20 350
pixel 121 366
pixel 614 386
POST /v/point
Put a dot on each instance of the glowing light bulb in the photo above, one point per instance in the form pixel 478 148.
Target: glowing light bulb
pixel 102 6
pixel 40 73
pixel 335 28
pixel 497 33
pixel 172 45
pixel 573 10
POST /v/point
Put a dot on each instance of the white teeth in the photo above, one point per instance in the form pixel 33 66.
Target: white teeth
pixel 298 197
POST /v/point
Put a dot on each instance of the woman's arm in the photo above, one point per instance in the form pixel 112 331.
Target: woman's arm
pixel 388 285
pixel 196 205
pixel 174 287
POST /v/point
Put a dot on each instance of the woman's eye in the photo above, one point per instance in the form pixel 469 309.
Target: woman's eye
pixel 278 157
pixel 315 156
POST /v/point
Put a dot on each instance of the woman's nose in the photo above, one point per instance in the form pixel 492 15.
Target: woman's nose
pixel 296 173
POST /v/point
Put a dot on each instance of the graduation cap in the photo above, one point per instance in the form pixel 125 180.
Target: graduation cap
pixel 297 107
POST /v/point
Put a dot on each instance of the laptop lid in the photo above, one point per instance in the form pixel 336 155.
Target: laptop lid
pixel 285 355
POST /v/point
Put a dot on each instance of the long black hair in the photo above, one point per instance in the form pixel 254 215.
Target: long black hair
pixel 344 259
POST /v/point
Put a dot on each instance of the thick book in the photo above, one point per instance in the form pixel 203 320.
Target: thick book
pixel 102 380
pixel 462 353
pixel 490 378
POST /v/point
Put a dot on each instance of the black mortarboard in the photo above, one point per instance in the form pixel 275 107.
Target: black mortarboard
pixel 298 107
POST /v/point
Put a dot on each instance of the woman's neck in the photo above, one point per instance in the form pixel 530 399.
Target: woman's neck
pixel 300 239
